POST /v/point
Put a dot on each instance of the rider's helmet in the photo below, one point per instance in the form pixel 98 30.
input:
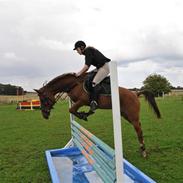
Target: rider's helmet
pixel 79 44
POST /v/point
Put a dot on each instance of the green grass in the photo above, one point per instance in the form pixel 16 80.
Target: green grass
pixel 25 135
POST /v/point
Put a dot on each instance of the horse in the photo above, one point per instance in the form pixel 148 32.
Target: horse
pixel 73 86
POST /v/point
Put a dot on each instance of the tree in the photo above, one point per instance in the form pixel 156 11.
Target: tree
pixel 7 89
pixel 157 84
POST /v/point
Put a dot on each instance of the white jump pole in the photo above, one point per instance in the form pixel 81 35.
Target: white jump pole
pixel 116 122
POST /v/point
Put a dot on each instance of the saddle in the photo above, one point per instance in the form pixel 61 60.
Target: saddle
pixel 104 85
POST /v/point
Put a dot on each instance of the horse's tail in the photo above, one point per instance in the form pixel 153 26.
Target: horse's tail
pixel 151 100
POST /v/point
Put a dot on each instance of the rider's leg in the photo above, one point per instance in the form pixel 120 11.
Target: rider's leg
pixel 101 74
pixel 94 97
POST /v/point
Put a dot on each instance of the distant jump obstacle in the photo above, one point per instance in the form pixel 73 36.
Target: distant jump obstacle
pixel 28 105
pixel 87 159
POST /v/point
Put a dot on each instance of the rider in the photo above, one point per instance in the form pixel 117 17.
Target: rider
pixel 97 59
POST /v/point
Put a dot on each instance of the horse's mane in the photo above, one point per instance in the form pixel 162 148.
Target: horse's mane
pixel 56 79
pixel 64 76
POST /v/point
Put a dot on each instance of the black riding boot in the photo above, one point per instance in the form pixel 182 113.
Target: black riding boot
pixel 94 97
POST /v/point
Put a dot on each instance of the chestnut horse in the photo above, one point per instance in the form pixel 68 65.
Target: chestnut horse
pixel 73 86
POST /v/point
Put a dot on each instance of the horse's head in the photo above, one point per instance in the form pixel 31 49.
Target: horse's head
pixel 47 101
pixel 63 83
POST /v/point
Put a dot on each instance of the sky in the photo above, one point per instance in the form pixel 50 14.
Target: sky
pixel 37 39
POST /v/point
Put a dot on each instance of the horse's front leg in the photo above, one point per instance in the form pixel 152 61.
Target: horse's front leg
pixel 74 108
pixel 90 112
pixel 85 115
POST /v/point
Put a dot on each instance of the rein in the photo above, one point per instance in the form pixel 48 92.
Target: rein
pixel 59 96
pixel 68 89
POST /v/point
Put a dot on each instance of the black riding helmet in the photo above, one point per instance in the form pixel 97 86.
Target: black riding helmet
pixel 79 44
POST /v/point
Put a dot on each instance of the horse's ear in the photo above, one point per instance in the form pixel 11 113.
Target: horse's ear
pixel 37 91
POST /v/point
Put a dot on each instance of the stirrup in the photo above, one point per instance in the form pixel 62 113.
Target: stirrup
pixel 93 105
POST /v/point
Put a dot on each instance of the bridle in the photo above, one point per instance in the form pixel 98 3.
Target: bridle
pixel 46 103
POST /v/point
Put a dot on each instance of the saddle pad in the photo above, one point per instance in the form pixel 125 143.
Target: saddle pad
pixel 105 84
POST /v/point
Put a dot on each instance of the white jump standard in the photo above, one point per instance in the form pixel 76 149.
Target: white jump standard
pixel 87 159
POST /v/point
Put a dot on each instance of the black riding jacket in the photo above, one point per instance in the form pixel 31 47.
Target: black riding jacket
pixel 94 57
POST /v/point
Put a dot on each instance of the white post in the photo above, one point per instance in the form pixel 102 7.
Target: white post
pixel 116 122
pixel 71 115
pixel 70 143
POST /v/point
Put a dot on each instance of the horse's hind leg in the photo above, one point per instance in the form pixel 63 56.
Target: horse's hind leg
pixel 137 126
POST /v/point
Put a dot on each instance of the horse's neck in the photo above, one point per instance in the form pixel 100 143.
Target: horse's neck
pixel 62 85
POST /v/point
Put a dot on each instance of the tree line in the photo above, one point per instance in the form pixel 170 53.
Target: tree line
pixel 7 89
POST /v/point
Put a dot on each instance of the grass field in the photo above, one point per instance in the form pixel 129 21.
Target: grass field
pixel 25 135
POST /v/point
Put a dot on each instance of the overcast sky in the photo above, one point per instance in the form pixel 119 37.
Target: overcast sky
pixel 37 38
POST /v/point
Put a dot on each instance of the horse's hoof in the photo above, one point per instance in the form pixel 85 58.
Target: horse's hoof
pixel 90 112
pixel 84 116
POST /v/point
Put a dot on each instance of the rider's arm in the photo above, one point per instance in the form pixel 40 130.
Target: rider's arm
pixel 83 70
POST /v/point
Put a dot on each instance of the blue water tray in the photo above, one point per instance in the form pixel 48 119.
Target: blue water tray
pixel 68 165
